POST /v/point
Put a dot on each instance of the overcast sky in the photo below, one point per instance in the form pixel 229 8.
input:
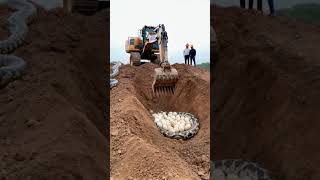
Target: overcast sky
pixel 186 21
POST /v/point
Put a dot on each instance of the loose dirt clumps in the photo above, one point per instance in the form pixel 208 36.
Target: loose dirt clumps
pixel 53 120
pixel 5 13
pixel 266 92
pixel 138 149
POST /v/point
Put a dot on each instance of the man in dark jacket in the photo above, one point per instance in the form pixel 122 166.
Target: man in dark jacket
pixel 271 7
pixel 259 5
pixel 192 55
pixel 243 4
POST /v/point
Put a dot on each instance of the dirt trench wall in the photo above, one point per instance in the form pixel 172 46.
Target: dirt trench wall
pixel 191 94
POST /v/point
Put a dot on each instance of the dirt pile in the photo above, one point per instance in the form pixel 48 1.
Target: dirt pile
pixel 138 149
pixel 53 120
pixel 266 95
pixel 5 12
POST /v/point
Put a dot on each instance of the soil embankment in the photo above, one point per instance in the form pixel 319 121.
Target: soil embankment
pixel 53 120
pixel 266 95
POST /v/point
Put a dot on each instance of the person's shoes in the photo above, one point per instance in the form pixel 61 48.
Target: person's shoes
pixel 259 12
pixel 272 14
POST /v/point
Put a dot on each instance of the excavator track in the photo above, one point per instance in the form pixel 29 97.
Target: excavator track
pixel 135 59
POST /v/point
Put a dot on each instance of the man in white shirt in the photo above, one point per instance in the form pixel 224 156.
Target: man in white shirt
pixel 186 54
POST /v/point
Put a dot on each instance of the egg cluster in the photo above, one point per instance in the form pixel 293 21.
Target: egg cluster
pixel 174 121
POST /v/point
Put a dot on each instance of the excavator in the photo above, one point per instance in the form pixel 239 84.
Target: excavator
pixel 151 44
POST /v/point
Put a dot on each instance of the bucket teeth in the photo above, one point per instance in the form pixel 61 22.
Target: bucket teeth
pixel 163 90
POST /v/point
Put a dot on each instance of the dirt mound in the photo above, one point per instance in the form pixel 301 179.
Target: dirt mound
pixel 138 149
pixel 266 94
pixel 5 12
pixel 52 121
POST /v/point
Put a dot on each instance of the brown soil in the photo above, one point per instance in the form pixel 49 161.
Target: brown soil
pixel 53 120
pixel 138 149
pixel 266 92
pixel 5 12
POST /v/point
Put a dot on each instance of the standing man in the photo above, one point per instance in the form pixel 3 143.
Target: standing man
pixel 193 53
pixel 243 4
pixel 271 7
pixel 259 4
pixel 186 52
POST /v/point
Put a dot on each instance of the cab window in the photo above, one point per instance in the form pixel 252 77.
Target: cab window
pixel 131 41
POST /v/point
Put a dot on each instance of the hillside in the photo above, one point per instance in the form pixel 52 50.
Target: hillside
pixel 265 92
pixel 205 66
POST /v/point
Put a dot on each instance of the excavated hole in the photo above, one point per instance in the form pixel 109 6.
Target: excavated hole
pixel 191 96
pixel 183 100
pixel 177 102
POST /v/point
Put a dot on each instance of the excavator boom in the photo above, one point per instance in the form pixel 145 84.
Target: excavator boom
pixel 165 77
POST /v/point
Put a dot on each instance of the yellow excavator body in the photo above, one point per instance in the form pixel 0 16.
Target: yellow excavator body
pixel 132 44
pixel 152 45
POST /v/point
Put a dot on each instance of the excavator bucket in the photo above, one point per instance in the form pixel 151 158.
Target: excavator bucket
pixel 164 82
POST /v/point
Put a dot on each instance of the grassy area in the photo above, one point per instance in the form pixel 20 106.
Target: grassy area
pixel 204 66
pixel 308 13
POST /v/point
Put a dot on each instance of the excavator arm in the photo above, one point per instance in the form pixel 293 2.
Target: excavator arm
pixel 163 47
pixel 165 77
